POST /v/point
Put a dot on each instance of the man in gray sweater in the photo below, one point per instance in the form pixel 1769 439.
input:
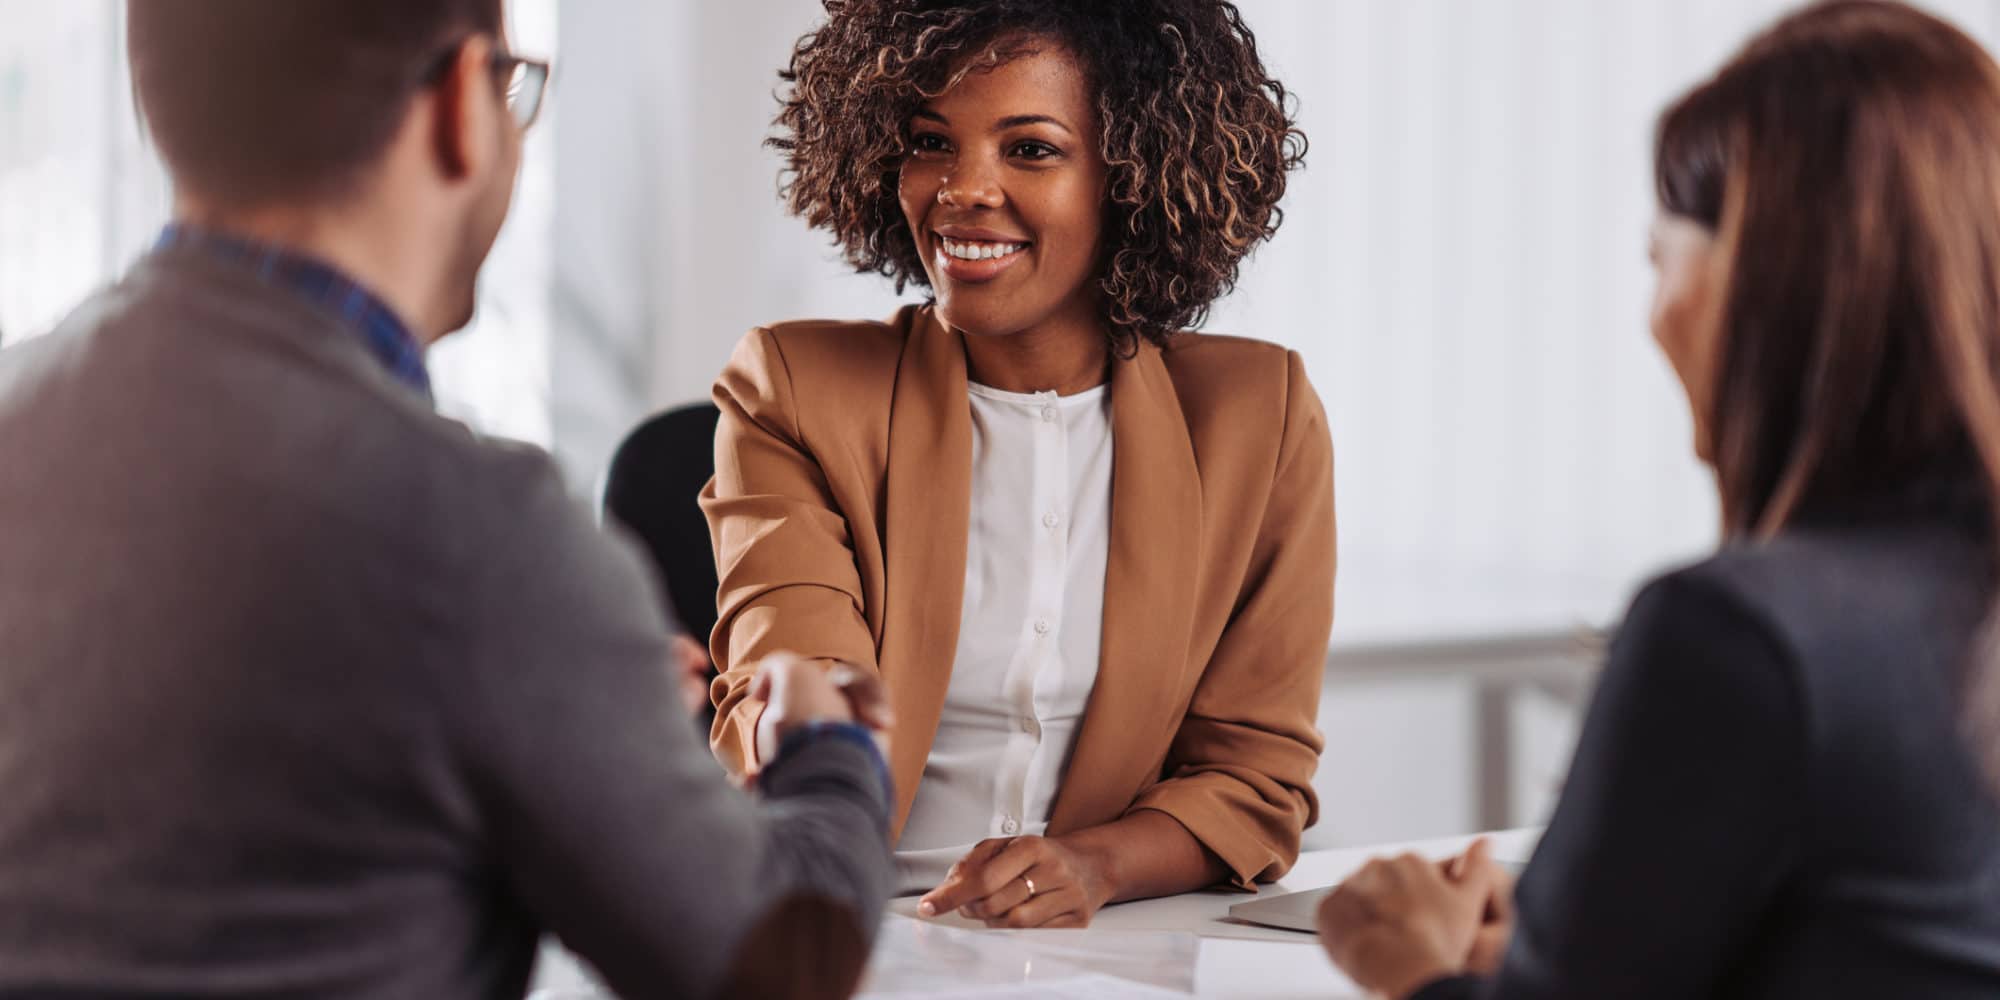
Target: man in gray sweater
pixel 306 691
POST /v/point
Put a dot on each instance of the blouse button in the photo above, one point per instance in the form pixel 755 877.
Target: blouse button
pixel 1050 520
pixel 1048 414
pixel 1041 626
pixel 1010 827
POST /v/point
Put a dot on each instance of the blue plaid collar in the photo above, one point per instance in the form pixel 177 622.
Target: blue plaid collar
pixel 380 329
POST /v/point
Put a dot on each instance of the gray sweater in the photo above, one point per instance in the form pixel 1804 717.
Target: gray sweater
pixel 306 691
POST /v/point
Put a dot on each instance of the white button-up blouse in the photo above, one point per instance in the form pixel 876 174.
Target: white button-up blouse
pixel 1030 628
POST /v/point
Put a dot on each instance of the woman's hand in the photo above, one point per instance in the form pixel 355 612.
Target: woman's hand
pixel 1496 928
pixel 1022 882
pixel 1400 924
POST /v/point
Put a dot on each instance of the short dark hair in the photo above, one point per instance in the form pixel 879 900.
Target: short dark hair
pixel 1198 136
pixel 253 101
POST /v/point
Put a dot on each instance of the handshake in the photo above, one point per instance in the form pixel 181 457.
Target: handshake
pixel 797 691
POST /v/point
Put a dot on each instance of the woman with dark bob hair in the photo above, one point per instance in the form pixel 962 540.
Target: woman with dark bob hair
pixel 1778 791
pixel 1089 554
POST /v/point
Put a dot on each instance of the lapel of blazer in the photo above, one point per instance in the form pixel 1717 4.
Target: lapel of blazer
pixel 1149 594
pixel 927 514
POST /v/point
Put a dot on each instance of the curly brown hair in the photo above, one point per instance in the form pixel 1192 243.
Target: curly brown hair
pixel 1197 136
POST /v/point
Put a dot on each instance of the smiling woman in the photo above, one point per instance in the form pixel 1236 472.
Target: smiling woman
pixel 1090 555
pixel 1195 138
pixel 1003 190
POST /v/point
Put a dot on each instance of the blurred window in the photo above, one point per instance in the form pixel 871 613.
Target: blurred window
pixel 81 197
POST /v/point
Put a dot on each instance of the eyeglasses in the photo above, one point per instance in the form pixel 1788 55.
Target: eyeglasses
pixel 524 82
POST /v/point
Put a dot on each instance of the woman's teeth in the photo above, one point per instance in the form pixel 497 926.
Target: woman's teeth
pixel 979 251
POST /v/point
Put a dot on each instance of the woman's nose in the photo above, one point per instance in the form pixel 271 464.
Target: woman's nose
pixel 970 185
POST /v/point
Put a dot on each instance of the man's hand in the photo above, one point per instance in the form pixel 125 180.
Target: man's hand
pixel 1021 882
pixel 691 666
pixel 796 691
pixel 1400 924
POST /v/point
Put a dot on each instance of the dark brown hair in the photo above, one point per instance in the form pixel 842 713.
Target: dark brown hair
pixel 1197 136
pixel 252 101
pixel 1849 161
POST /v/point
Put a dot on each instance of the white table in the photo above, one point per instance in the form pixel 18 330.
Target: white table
pixel 1181 944
pixel 1176 946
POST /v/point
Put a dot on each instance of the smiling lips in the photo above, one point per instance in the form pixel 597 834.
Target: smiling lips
pixel 975 261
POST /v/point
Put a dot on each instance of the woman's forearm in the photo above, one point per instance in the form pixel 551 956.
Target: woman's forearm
pixel 1144 855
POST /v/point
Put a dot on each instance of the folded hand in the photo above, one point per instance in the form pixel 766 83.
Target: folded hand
pixel 1399 924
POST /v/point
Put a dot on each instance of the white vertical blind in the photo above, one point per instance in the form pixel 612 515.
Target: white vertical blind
pixel 1462 266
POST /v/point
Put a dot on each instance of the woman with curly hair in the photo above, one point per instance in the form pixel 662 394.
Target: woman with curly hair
pixel 1090 554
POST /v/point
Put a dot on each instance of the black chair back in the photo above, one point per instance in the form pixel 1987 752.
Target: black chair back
pixel 653 489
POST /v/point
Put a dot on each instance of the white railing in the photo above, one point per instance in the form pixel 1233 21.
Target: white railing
pixel 1559 665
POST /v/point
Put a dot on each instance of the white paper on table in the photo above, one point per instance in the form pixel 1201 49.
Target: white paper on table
pixel 917 958
pixel 1088 987
pixel 560 975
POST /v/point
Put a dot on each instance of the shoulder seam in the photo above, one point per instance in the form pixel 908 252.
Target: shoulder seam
pixel 791 400
pixel 1287 439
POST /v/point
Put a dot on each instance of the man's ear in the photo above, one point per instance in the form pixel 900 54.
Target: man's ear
pixel 463 110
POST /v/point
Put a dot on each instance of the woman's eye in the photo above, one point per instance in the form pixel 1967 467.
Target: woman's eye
pixel 1034 150
pixel 928 143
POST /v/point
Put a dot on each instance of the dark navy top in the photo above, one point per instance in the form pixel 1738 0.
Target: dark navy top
pixel 1774 795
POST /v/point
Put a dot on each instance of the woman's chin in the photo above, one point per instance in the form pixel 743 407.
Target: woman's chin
pixel 977 322
pixel 1704 447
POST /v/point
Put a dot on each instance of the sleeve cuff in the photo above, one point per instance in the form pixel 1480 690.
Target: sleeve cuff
pixel 1244 839
pixel 808 743
pixel 1449 988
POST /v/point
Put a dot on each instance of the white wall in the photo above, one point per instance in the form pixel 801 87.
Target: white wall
pixel 672 242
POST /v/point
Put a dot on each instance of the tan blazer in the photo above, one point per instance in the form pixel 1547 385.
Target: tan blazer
pixel 840 508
